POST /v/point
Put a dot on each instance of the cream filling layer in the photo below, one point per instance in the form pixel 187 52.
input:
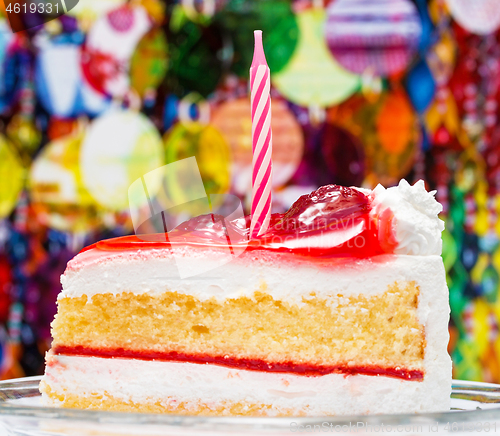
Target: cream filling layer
pixel 139 381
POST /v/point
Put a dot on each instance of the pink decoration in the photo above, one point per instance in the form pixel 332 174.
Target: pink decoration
pixel 260 85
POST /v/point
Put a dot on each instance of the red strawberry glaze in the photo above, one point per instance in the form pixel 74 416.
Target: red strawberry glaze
pixel 310 370
pixel 333 221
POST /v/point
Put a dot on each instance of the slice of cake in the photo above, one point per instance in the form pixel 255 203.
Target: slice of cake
pixel 340 308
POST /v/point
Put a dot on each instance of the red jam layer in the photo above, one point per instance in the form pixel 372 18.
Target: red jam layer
pixel 338 216
pixel 247 364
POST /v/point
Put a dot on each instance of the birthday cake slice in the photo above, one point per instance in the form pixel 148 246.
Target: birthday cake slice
pixel 341 307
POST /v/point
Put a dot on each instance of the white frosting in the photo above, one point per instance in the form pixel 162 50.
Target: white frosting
pixel 416 223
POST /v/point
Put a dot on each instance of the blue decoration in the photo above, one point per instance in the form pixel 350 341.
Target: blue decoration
pixel 170 111
pixel 427 37
pixel 420 86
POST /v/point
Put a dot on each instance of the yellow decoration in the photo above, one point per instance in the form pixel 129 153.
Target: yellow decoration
pixel 443 113
pixel 24 135
pixel 57 191
pixel 154 8
pixel 496 203
pixel 12 177
pixel 470 364
pixel 470 169
pixel 480 315
pixel 210 149
pixel 438 11
pixel 482 224
pixel 477 272
pixel 441 57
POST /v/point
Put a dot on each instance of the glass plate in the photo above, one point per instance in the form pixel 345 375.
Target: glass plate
pixel 475 409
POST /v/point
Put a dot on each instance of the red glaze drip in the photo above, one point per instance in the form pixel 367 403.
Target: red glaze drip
pixel 329 211
pixel 245 363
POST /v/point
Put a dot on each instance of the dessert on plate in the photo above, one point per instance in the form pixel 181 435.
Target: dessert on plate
pixel 341 307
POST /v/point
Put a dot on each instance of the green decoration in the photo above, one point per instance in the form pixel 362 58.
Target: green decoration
pixel 279 31
pixel 198 59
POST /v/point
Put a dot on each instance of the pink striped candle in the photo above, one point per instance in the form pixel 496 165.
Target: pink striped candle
pixel 262 141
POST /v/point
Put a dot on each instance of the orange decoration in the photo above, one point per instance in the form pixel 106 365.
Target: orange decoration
pixel 59 127
pixel 395 123
pixel 344 114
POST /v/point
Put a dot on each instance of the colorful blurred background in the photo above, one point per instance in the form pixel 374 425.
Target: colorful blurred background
pixel 363 92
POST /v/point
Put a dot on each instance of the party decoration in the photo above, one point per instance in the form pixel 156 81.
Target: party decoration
pixel 390 137
pixel 441 57
pixel 480 16
pixel 12 179
pixel 59 127
pixel 56 186
pixel 344 156
pixel 204 142
pixel 5 40
pixel 279 32
pixel 60 86
pixel 232 119
pixel 24 135
pixel 193 67
pixel 5 279
pixel 442 121
pixel 17 72
pixel 149 62
pixel 420 86
pixel 200 11
pixel 379 36
pixel 109 47
pixel 396 123
pixel 427 33
pixel 312 77
pixel 118 148
pixel 344 114
pixel 155 9
pixel 90 10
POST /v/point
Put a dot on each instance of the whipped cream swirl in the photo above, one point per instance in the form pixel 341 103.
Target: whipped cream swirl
pixel 414 217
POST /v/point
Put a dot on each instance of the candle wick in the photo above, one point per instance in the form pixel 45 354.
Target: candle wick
pixel 259 58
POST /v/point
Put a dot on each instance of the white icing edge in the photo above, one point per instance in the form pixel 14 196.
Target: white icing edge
pixel 416 223
pixel 155 271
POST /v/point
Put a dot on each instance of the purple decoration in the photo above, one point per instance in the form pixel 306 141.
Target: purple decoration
pixel 376 36
pixel 344 156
